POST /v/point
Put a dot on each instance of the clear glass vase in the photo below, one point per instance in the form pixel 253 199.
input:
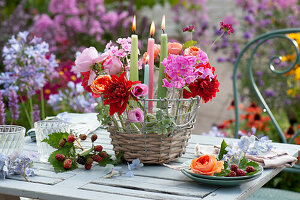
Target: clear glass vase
pixel 45 128
pixel 11 139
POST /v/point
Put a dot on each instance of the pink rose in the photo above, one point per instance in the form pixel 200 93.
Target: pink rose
pixel 112 65
pixel 139 90
pixel 88 57
pixel 136 115
pixel 174 48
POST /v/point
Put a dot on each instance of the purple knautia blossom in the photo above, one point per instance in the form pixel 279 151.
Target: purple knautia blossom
pixel 2 110
pixel 28 63
pixel 36 113
pixel 249 19
pixel 180 70
pixel 13 105
pixel 269 93
pixel 259 73
pixel 287 101
pixel 214 132
pixel 136 115
pixel 261 82
pixel 139 90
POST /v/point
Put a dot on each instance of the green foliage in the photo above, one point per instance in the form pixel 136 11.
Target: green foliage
pixel 54 138
pixel 224 172
pixel 222 150
pixel 108 160
pixel 68 151
pixel 103 115
pixel 189 44
pixel 165 123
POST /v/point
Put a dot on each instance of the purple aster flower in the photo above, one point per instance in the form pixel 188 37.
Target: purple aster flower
pixel 13 105
pixel 2 110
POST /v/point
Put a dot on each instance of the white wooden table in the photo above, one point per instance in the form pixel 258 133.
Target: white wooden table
pixel 149 182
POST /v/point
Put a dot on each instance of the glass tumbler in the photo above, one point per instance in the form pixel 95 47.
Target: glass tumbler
pixel 11 139
pixel 45 128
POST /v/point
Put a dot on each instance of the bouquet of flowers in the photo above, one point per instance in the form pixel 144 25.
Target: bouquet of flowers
pixel 141 120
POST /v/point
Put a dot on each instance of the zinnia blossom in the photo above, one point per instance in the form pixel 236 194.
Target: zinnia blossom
pixel 99 84
pixel 207 165
pixel 226 27
pixel 117 93
pixel 136 115
pixel 139 90
pixel 189 28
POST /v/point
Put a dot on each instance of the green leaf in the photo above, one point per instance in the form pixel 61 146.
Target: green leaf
pixel 251 173
pixel 243 163
pixel 108 160
pixel 224 172
pixel 189 44
pixel 222 150
pixel 253 164
pixel 54 138
pixel 187 88
pixel 66 151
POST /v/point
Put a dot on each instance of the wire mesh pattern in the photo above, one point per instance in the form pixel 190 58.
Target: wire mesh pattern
pixel 151 141
pixel 11 139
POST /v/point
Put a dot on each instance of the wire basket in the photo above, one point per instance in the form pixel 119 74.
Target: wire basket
pixel 162 137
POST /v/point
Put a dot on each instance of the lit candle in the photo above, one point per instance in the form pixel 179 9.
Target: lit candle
pixel 150 52
pixel 134 70
pixel 162 91
pixel 146 79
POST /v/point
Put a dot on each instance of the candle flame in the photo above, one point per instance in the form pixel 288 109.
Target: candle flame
pixel 134 24
pixel 163 23
pixel 147 59
pixel 152 29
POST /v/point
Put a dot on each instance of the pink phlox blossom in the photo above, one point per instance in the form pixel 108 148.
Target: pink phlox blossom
pixel 203 58
pixel 206 72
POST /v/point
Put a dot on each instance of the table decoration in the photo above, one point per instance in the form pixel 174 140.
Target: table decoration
pixel 160 134
pixel 42 130
pixel 11 139
pixel 68 152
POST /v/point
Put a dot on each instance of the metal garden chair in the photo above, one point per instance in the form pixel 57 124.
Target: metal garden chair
pixel 253 46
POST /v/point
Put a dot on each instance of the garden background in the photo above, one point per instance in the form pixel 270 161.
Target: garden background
pixel 37 71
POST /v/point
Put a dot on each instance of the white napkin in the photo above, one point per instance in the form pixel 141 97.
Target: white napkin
pixel 80 123
pixel 271 159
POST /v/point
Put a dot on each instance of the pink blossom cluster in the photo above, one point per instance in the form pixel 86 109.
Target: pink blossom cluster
pixel 74 18
pixel 180 70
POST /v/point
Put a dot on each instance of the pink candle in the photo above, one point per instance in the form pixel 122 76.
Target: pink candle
pixel 150 51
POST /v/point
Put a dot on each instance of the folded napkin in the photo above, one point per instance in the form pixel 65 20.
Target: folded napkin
pixel 80 123
pixel 271 159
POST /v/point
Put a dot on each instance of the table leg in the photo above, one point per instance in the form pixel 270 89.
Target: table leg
pixel 8 197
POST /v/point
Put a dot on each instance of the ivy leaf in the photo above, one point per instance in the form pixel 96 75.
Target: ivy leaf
pixel 251 173
pixel 67 152
pixel 189 44
pixel 54 138
pixel 253 164
pixel 243 163
pixel 222 150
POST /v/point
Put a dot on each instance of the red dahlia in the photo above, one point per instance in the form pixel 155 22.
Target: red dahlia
pixel 205 88
pixel 117 93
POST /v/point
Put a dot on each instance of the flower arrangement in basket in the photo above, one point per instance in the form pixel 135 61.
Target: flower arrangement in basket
pixel 152 127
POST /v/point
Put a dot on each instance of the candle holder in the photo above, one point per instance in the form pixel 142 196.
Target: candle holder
pixel 161 139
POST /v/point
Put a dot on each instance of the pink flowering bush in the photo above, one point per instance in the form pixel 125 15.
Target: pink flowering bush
pixel 75 23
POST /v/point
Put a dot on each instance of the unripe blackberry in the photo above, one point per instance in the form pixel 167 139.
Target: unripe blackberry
pixel 234 168
pixel 250 169
pixel 94 137
pixel 89 161
pixel 83 136
pixel 232 174
pixel 62 142
pixel 240 172
pixel 87 166
pixel 98 148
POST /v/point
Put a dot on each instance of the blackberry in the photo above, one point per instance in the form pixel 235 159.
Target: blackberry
pixel 232 174
pixel 234 168
pixel 94 137
pixel 240 172
pixel 81 160
pixel 250 169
